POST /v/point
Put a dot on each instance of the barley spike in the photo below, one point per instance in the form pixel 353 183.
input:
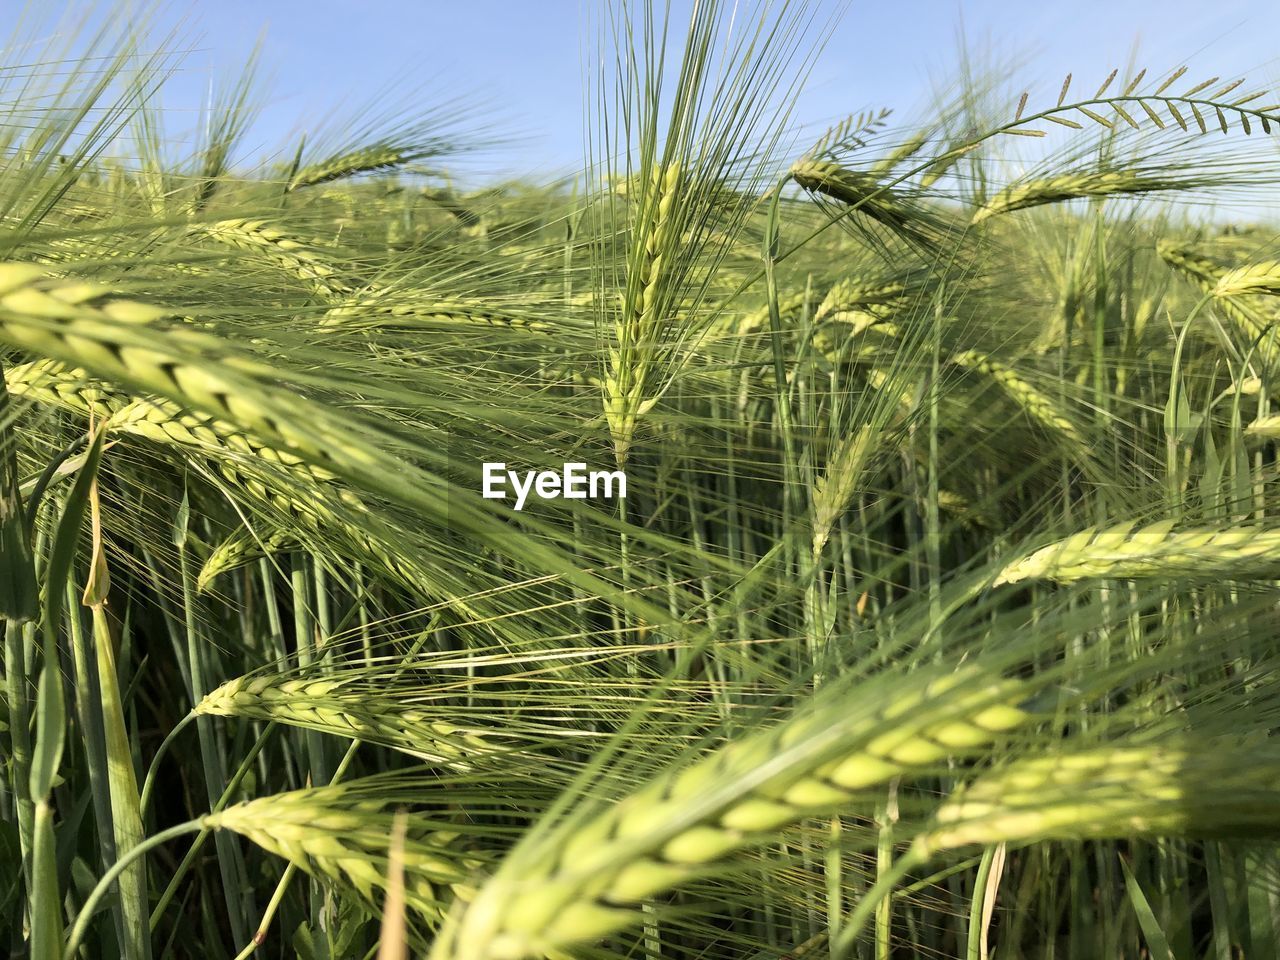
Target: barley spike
pixel 1157 550
pixel 1261 277
pixel 1073 186
pixel 593 880
pixel 345 842
pixel 1037 405
pixel 1215 787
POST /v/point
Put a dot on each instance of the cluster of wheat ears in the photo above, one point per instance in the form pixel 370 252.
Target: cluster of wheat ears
pixel 938 619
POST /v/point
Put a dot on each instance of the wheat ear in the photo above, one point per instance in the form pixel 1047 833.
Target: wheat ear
pixel 1035 403
pixel 1264 428
pixel 1262 277
pixel 1074 186
pixel 1193 788
pixel 19 592
pixel 589 878
pixel 1216 787
pixel 351 164
pixel 238 549
pixel 239 454
pixel 863 192
pixel 294 257
pixel 331 834
pixel 628 374
pixel 324 706
pixel 758 319
pixel 839 483
pixel 1253 322
pixel 375 307
pixel 86 324
pixel 881 299
pixel 1157 550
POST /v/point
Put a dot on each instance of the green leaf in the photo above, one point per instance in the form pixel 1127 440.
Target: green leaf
pixel 19 595
pixel 51 711
pixel 1157 942
pixel 66 542
pixel 46 902
pixel 10 864
pixel 51 718
pixel 1179 425
pixel 181 520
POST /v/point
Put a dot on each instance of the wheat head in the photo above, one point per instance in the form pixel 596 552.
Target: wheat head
pixel 1216 787
pixel 1036 404
pixel 585 882
pixel 1127 551
pixel 344 841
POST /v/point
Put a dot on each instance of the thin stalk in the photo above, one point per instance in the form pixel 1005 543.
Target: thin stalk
pixel 264 926
pixel 189 859
pixel 886 818
pixel 103 886
pixel 237 893
pixel 880 892
pixel 19 738
pixel 149 782
pixel 304 639
pixel 89 711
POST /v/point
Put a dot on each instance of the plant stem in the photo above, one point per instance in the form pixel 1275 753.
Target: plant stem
pixel 90 905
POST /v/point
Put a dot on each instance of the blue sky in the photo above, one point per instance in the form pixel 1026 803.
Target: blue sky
pixel 525 57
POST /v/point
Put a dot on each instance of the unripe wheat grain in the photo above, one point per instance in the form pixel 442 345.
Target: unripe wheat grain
pixel 583 883
pixel 1073 186
pixel 1157 550
pixel 1037 405
pixel 1209 788
pixel 322 705
pixel 345 842
pixel 1263 277
pixel 656 232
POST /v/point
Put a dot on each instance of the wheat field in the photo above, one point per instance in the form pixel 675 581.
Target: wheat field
pixel 761 544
